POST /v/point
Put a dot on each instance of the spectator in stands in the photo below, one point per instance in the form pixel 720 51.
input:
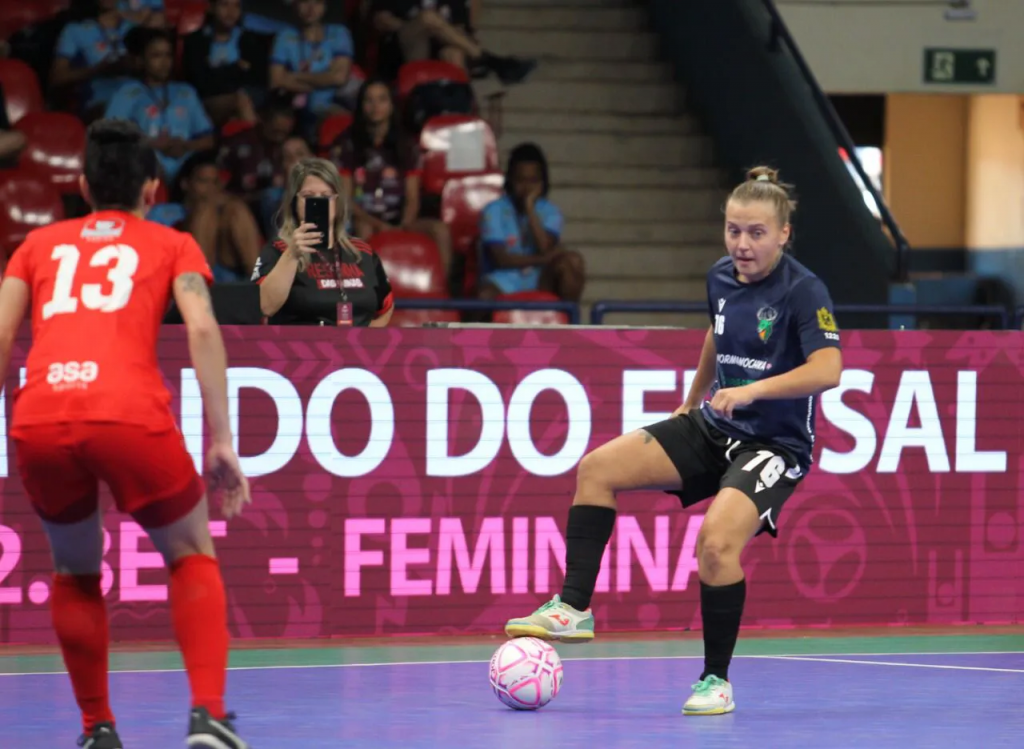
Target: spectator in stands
pixel 293 150
pixel 169 112
pixel 144 12
pixel 227 64
pixel 11 141
pixel 90 60
pixel 221 223
pixel 380 171
pixel 342 284
pixel 252 158
pixel 520 234
pixel 438 29
pixel 313 63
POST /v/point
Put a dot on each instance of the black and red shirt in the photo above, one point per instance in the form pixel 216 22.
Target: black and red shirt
pixel 328 280
pixel 252 163
pixel 378 174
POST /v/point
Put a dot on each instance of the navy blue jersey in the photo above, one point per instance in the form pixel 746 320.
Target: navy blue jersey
pixel 765 329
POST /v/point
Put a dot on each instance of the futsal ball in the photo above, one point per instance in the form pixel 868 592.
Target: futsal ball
pixel 526 673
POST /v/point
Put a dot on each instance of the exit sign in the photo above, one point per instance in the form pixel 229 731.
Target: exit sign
pixel 965 66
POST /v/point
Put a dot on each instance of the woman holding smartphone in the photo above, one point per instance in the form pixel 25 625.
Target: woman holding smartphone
pixel 314 273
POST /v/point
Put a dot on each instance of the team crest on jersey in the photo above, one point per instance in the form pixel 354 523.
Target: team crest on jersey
pixel 826 321
pixel 103 229
pixel 766 317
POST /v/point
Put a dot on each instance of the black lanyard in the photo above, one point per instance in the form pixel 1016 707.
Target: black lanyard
pixel 339 273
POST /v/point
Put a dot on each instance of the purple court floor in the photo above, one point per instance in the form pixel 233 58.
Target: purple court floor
pixel 834 701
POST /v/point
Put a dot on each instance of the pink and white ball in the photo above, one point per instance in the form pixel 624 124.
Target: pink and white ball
pixel 526 673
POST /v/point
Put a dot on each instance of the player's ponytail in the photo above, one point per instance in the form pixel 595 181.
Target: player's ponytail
pixel 763 185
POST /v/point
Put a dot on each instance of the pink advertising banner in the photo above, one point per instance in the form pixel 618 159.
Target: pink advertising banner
pixel 417 481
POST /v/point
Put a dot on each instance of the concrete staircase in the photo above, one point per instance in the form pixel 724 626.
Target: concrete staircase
pixel 631 170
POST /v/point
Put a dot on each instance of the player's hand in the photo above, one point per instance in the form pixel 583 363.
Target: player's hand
pixel 307 238
pixel 729 399
pixel 224 476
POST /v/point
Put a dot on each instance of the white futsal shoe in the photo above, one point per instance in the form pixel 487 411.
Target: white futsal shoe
pixel 554 620
pixel 711 696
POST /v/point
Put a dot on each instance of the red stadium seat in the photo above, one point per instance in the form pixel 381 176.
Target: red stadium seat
pixel 530 317
pixel 462 201
pixel 234 127
pixel 330 129
pixel 417 318
pixel 191 16
pixel 476 148
pixel 414 74
pixel 15 15
pixel 56 145
pixel 174 10
pixel 26 203
pixel 412 262
pixel 21 89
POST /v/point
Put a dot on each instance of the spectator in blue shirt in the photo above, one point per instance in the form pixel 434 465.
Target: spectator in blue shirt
pixel 90 60
pixel 521 232
pixel 313 62
pixel 169 112
pixel 227 64
pixel 143 12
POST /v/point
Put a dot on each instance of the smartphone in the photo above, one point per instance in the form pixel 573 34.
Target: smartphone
pixel 318 212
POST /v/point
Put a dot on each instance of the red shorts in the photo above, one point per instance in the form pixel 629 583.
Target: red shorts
pixel 150 473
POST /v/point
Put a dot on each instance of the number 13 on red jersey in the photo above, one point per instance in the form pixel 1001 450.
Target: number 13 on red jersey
pixel 122 262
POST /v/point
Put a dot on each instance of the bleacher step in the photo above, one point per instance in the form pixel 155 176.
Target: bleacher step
pixel 597 149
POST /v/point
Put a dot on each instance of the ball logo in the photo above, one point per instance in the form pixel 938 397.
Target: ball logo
pixel 526 673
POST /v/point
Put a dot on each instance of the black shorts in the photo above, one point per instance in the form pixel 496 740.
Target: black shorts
pixel 709 460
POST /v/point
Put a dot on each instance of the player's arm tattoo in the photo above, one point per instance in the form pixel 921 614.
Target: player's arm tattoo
pixel 194 283
pixel 647 436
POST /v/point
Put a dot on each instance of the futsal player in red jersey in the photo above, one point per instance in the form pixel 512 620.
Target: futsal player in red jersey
pixel 94 409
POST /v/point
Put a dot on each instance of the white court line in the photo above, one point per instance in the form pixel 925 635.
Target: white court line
pixel 941 667
pixel 319 666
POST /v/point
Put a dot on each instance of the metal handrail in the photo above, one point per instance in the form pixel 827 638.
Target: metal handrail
pixel 781 31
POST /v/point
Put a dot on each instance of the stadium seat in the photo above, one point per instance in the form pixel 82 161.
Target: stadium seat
pixel 17 14
pixel 191 16
pixel 414 74
pixel 26 203
pixel 412 262
pixel 417 318
pixel 56 145
pixel 22 93
pixel 462 201
pixel 330 129
pixel 234 127
pixel 530 317
pixel 476 150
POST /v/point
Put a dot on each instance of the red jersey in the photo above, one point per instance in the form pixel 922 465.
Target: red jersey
pixel 100 287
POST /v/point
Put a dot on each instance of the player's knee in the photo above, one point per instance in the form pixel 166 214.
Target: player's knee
pixel 594 475
pixel 715 551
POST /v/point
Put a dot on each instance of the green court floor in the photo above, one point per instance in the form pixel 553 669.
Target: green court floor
pixel 352 654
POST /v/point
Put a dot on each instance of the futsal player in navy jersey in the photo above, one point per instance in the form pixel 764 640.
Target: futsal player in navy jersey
pixel 773 345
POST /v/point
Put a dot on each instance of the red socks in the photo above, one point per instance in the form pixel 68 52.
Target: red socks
pixel 200 614
pixel 80 621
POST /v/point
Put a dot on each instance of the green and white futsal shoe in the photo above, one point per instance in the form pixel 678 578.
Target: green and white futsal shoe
pixel 554 620
pixel 711 696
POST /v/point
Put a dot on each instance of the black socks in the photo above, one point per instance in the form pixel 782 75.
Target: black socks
pixel 586 537
pixel 721 609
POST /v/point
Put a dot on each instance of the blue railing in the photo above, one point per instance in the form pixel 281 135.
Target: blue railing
pixel 600 309
pixel 479 305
